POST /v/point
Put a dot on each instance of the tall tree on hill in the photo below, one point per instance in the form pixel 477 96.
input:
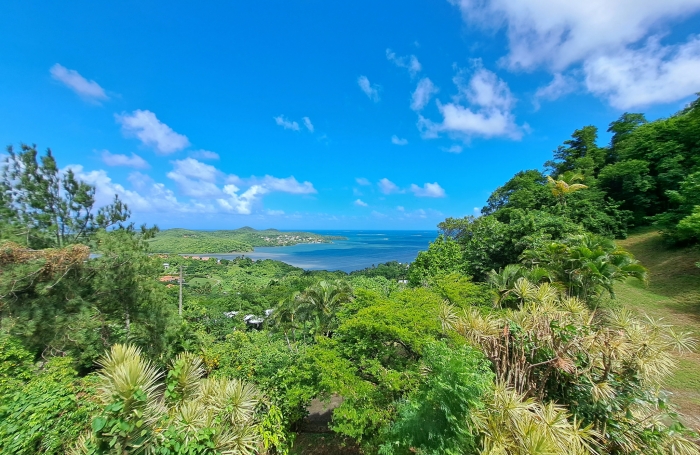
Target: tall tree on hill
pixel 580 154
pixel 50 207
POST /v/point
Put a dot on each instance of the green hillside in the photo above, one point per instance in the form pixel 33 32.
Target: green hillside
pixel 673 294
pixel 229 241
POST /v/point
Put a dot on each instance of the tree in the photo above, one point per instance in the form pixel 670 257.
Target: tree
pixel 580 153
pixel 586 265
pixel 443 257
pixel 564 185
pixel 50 207
pixel 605 370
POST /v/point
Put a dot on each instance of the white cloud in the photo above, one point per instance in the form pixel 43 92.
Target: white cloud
pixel 114 159
pixel 307 123
pixel 89 90
pixel 372 91
pixel 561 85
pixel 287 185
pixel 378 214
pixel 197 181
pixel 398 141
pixel 386 186
pixel 421 96
pixel 362 181
pixel 151 131
pixel 410 62
pixel 286 124
pixel 204 155
pixel 150 197
pixel 649 75
pixel 558 33
pixel 489 113
pixel 360 203
pixel 452 149
pixel 240 203
pixel 428 190
pixel 191 168
pixel 477 211
pixel 400 208
pixel 605 37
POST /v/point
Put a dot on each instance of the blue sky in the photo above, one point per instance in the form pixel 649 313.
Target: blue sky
pixel 329 115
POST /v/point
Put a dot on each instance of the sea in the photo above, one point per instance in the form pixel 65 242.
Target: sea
pixel 362 249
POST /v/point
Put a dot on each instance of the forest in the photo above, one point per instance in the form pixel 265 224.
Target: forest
pixel 231 241
pixel 504 337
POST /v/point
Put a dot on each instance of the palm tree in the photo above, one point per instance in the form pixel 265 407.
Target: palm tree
pixel 141 413
pixel 565 185
pixel 323 300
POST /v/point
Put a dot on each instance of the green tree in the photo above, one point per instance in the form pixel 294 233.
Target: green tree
pixel 50 207
pixel 435 418
pixel 443 257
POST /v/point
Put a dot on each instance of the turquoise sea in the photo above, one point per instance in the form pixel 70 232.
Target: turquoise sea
pixel 361 249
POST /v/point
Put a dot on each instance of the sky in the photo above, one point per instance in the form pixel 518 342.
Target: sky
pixel 329 115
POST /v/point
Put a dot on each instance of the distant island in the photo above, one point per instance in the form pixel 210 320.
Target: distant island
pixel 241 240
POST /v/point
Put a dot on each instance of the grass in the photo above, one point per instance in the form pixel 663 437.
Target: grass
pixel 672 294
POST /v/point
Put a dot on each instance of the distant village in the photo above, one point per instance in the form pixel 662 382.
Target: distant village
pixel 287 240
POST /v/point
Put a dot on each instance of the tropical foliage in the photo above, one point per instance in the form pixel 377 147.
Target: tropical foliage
pixel 503 337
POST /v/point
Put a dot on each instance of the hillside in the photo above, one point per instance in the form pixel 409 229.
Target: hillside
pixel 673 294
pixel 229 241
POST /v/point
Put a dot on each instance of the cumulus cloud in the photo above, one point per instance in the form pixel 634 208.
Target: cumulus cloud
pixel 557 34
pixel 360 203
pixel 151 131
pixel 204 155
pixel 149 197
pixel 89 90
pixel 195 179
pixel 410 62
pixel 489 112
pixel 561 85
pixel 198 181
pixel 652 74
pixel 307 123
pixel 428 190
pixel 372 91
pixel 386 186
pixel 286 124
pixel 421 96
pixel 362 181
pixel 114 159
pixel 240 203
pixel 398 141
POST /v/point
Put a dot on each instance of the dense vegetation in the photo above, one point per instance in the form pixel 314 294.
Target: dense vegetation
pixel 231 241
pixel 506 338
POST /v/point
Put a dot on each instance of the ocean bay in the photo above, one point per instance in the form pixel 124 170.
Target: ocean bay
pixel 361 249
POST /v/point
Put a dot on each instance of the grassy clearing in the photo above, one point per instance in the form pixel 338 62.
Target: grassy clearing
pixel 673 293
